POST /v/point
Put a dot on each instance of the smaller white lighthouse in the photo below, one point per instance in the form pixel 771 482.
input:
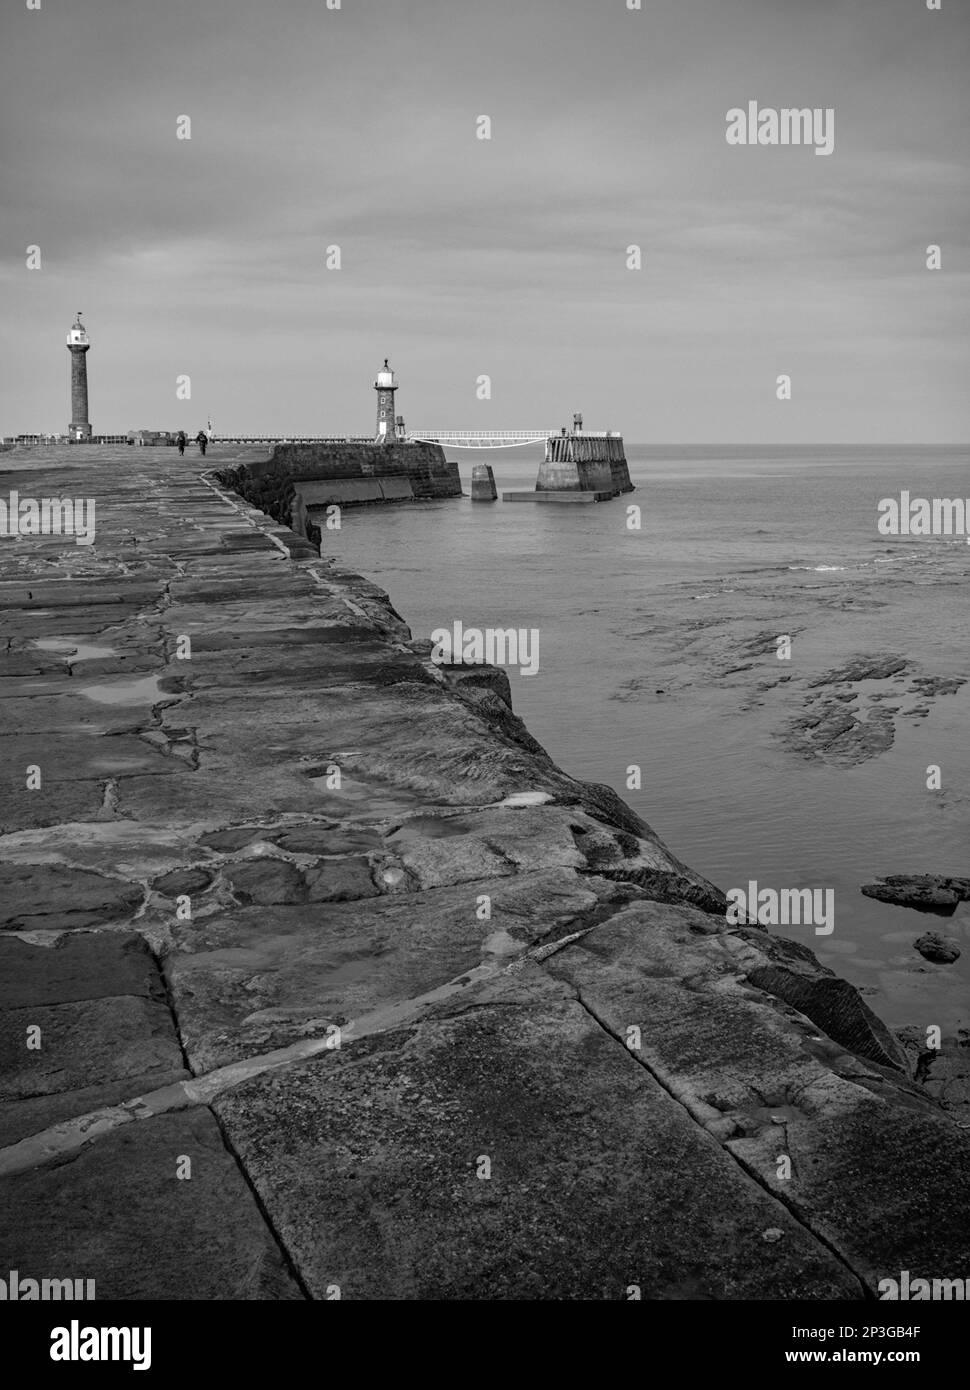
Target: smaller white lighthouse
pixel 385 385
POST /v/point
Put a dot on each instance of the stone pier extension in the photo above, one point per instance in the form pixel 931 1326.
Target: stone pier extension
pixel 579 468
pixel 317 973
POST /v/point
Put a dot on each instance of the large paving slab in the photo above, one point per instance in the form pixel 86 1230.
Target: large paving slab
pixel 84 1022
pixel 868 1151
pixel 118 1213
pixel 54 896
pixel 46 1048
pixel 82 965
pixel 510 1149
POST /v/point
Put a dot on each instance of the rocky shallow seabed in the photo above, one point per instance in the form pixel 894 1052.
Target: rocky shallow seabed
pixel 334 1033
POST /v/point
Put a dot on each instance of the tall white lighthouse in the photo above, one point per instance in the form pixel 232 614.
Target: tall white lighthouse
pixel 78 344
pixel 385 386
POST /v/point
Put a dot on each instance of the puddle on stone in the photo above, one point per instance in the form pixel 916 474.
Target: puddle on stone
pixel 379 805
pixel 500 944
pixel 73 650
pixel 527 799
pixel 140 692
pixel 357 970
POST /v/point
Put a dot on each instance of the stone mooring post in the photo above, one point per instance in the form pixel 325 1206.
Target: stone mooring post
pixel 483 483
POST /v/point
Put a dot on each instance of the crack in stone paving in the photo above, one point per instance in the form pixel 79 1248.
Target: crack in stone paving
pixel 288 1259
pixel 866 1291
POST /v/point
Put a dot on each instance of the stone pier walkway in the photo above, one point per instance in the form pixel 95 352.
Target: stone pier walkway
pixel 319 979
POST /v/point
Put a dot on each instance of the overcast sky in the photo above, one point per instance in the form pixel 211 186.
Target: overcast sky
pixel 463 257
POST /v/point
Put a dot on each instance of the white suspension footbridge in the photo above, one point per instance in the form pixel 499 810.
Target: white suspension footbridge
pixel 480 439
pixel 494 439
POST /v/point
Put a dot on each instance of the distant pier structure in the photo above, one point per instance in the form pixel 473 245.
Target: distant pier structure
pixel 579 466
pixel 78 344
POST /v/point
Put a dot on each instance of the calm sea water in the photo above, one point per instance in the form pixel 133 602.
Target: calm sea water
pixel 642 634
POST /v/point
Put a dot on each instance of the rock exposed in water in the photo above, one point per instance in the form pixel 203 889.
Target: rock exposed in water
pixel 829 731
pixel 865 668
pixel 833 733
pixel 942 949
pixel 924 892
pixel 938 685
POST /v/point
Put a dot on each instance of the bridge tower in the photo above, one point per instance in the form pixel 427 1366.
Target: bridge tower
pixel 385 386
pixel 78 344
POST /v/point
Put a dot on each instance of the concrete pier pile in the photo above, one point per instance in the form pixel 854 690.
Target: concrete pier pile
pixel 483 483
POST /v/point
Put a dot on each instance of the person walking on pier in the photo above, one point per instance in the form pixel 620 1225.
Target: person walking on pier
pixel 202 441
pixel 181 441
